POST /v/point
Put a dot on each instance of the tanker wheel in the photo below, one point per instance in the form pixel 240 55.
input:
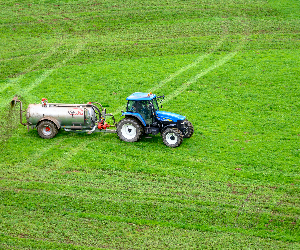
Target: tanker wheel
pixel 172 137
pixel 129 130
pixel 47 129
pixel 189 130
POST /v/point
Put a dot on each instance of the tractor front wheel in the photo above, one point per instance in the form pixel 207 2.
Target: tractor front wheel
pixel 47 129
pixel 172 137
pixel 129 130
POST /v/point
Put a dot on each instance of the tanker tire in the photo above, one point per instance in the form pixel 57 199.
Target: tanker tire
pixel 189 131
pixel 172 137
pixel 47 129
pixel 130 130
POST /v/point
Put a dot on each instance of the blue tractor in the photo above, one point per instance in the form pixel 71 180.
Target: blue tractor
pixel 142 116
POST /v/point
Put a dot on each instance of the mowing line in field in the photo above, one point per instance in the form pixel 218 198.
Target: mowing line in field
pixel 39 80
pixel 187 67
pixel 180 71
pixel 13 81
pixel 206 71
pixel 69 154
pixel 38 154
pixel 195 78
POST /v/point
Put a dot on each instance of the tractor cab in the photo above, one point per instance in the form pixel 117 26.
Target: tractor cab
pixel 143 105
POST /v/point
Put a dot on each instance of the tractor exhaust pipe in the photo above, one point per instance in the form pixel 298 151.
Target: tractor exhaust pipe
pixel 13 103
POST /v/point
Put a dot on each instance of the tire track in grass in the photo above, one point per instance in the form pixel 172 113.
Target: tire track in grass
pixel 40 153
pixel 39 80
pixel 182 70
pixel 64 144
pixel 94 206
pixel 189 66
pixel 203 73
pixel 13 81
pixel 72 151
pixel 217 64
pixel 26 92
pixel 21 167
pixel 41 167
pixel 67 147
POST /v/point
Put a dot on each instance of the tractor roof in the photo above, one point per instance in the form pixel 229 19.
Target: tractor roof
pixel 139 96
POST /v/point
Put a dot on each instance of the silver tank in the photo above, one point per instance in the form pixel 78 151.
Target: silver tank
pixel 66 114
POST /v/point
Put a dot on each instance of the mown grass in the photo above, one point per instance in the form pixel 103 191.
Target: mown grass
pixel 230 66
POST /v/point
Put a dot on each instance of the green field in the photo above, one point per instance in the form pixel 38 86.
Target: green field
pixel 231 66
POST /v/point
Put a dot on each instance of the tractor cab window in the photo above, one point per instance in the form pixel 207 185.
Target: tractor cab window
pixel 132 106
pixel 145 109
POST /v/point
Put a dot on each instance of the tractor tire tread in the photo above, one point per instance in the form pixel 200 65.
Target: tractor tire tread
pixel 136 124
pixel 190 130
pixel 177 132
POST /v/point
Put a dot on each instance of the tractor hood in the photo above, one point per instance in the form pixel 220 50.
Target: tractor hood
pixel 168 116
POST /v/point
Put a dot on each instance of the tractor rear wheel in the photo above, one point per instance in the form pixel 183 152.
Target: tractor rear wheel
pixel 172 137
pixel 47 129
pixel 189 130
pixel 130 130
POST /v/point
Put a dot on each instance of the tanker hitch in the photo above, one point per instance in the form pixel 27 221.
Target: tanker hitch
pixel 103 125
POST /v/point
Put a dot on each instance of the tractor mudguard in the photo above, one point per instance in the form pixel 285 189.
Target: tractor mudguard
pixel 136 115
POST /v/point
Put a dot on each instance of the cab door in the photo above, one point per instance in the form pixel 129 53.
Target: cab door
pixel 146 111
